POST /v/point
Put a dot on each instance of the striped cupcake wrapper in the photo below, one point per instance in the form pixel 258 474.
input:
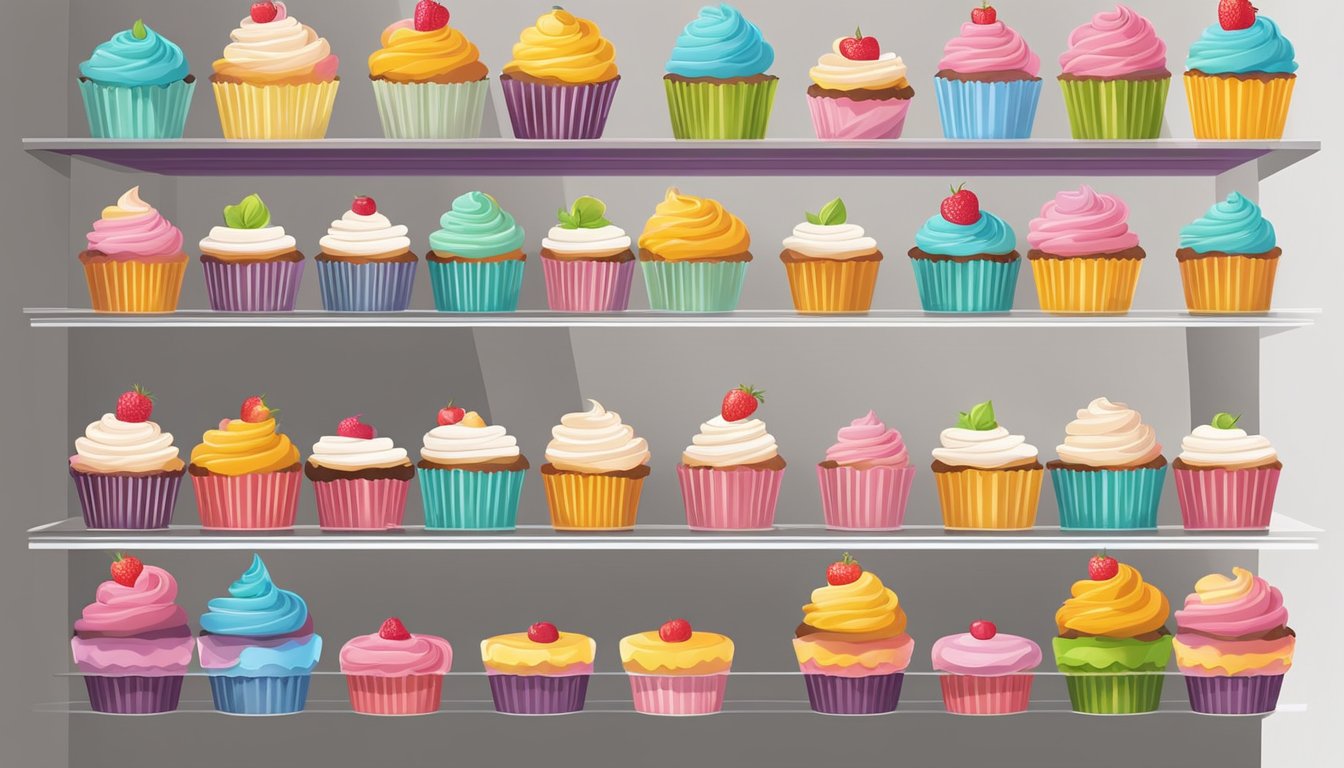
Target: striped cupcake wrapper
pixel 298 111
pixel 1108 499
pixel 976 695
pixel 133 502
pixel 431 110
pixel 872 499
pixel 1101 693
pixel 402 695
pixel 542 111
pixel 869 695
pixel 133 694
pixel 467 286
pixel 845 119
pixel 261 502
pixel 461 499
pixel 981 285
pixel 720 110
pixel 538 694
pixel 694 286
pixel 361 505
pixel 975 110
pixel 1250 695
pixel 679 695
pixel 259 695
pixel 584 502
pixel 137 112
pixel 1227 499
pixel 372 287
pixel 581 285
pixel 270 286
pixel 729 499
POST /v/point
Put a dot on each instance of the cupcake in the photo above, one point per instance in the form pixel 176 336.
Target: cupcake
pixel 587 261
pixel 1233 644
pixel 676 670
pixel 393 672
pixel 258 646
pixel 595 468
pixel 542 671
pixel 1240 75
pixel 716 81
pixel 251 266
pixel 476 259
pixel 471 474
pixel 694 255
pixel 135 261
pixel 428 78
pixel 126 470
pixel 1083 254
pixel 832 265
pixel 731 473
pixel 852 646
pixel 988 478
pixel 866 478
pixel 987 81
pixel 246 474
pixel 361 479
pixel 965 260
pixel 366 264
pixel 132 643
pixel 1113 646
pixel 859 92
pixel 562 79
pixel 277 79
pixel 984 672
pixel 1229 258
pixel 1110 470
pixel 1115 77
pixel 1226 478
pixel 136 86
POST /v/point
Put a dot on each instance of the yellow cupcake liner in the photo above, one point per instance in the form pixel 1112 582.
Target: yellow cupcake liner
pixel 1086 285
pixel 1235 108
pixel 275 111
pixel 1229 284
pixel 135 286
pixel 584 502
pixel 989 499
pixel 828 286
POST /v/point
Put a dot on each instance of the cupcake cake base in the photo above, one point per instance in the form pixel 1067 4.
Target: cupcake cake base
pixel 538 694
pixel 869 695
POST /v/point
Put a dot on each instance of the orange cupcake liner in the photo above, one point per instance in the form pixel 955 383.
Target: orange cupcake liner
pixel 584 502
pixel 827 286
pixel 1085 285
pixel 1235 108
pixel 135 286
pixel 275 111
pixel 1229 284
pixel 989 499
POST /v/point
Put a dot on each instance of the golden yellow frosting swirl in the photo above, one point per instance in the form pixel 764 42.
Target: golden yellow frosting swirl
pixel 563 48
pixel 705 653
pixel 517 655
pixel 1123 606
pixel 863 607
pixel 440 56
pixel 684 227
pixel 244 448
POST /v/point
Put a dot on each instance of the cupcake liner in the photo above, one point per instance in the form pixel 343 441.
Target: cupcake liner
pixel 1102 693
pixel 827 286
pixel 1227 499
pixel 464 286
pixel 720 110
pixel 980 285
pixel 260 502
pixel 431 110
pixel 1251 695
pixel 267 286
pixel 133 694
pixel 129 502
pixel 404 695
pixel 461 499
pixel 1086 285
pixel 694 286
pixel 259 695
pixel 872 499
pixel 1233 108
pixel 678 694
pixel 870 695
pixel 729 499
pixel 1108 499
pixel 849 119
pixel 1229 284
pixel 976 695
pixel 135 286
pixel 582 285
pixel 989 499
pixel 373 287
pixel 538 694
pixel 542 111
pixel 275 111
pixel 974 110
pixel 583 502
pixel 1116 109
pixel 137 112
pixel 361 505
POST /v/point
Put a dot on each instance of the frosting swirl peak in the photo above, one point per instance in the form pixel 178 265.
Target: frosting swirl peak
pixel 993 47
pixel 282 50
pixel 723 443
pixel 837 73
pixel 720 43
pixel 255 607
pixel 112 445
pixel 865 606
pixel 1082 222
pixel 990 235
pixel 133 229
pixel 1122 606
pixel 684 227
pixel 443 55
pixel 477 228
pixel 132 60
pixel 564 48
pixel 1107 434
pixel 1258 48
pixel 241 448
pixel 866 443
pixel 355 235
pixel 1114 44
pixel 1235 225
pixel 595 441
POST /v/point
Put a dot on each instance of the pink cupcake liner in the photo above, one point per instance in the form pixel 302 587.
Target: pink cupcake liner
pixel 406 695
pixel 848 119
pixel 1223 499
pixel 729 499
pixel 262 502
pixel 678 694
pixel 540 111
pixel 361 505
pixel 578 285
pixel 872 499
pixel 975 695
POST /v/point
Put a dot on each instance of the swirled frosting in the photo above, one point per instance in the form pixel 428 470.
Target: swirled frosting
pixel 990 235
pixel 133 229
pixel 282 50
pixel 595 441
pixel 516 654
pixel 1259 48
pixel 684 227
pixel 131 61
pixel 563 48
pixel 113 445
pixel 1114 44
pixel 150 605
pixel 1209 446
pixel 720 43
pixel 477 228
pixel 722 443
pixel 1233 626
pixel 867 443
pixel 1123 606
pixel 366 237
pixel 964 654
pixel 597 242
pixel 862 607
pixel 456 444
pixel 989 449
pixel 1107 434
pixel 443 55
pixel 703 653
pixel 830 241
pixel 836 73
pixel 255 607
pixel 1082 222
pixel 377 656
pixel 989 48
pixel 243 448
pixel 243 239
pixel 351 454
pixel 1235 225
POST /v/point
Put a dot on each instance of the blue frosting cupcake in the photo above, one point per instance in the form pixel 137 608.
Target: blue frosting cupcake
pixel 476 259
pixel 717 82
pixel 136 85
pixel 1229 258
pixel 1260 48
pixel 1239 79
pixel 965 259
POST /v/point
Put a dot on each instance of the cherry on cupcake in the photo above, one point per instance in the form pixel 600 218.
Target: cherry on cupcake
pixel 353 427
pixel 364 206
pixel 126 569
pixel 984 15
pixel 264 12
pixel 1103 567
pixel 740 403
pixel 543 632
pixel 675 631
pixel 135 406
pixel 860 48
pixel 255 410
pixel 983 630
pixel 1236 14
pixel 430 16
pixel 450 414
pixel 393 629
pixel 961 207
pixel 844 571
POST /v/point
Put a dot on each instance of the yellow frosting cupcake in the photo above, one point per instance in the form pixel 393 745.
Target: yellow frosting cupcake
pixel 443 55
pixel 517 654
pixel 853 628
pixel 702 653
pixel 564 49
pixel 687 228
pixel 1123 606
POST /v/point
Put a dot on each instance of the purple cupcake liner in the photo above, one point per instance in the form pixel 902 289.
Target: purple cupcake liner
pixel 373 287
pixel 1253 695
pixel 870 695
pixel 133 694
pixel 538 694
pixel 540 111
pixel 270 286
pixel 127 502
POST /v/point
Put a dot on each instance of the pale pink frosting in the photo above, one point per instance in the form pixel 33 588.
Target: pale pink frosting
pixel 132 229
pixel 1114 44
pixel 989 48
pixel 964 654
pixel 122 611
pixel 815 668
pixel 867 442
pixel 1259 610
pixel 159 657
pixel 380 657
pixel 1082 222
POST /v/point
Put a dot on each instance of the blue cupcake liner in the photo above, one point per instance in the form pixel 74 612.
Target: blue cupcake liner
pixel 137 112
pixel 980 285
pixel 974 110
pixel 467 286
pixel 694 286
pixel 463 499
pixel 1108 499
pixel 260 695
pixel 373 287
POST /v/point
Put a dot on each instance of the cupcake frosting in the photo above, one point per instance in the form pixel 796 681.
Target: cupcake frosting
pixel 112 445
pixel 477 228
pixel 563 48
pixel 1082 222
pixel 1259 48
pixel 979 442
pixel 1235 225
pixel 723 443
pixel 150 605
pixel 720 43
pixel 1234 626
pixel 378 656
pixel 255 607
pixel 703 653
pixel 829 235
pixel 359 236
pixel 965 654
pixel 279 51
pixel 862 607
pixel 133 229
pixel 595 441
pixel 443 55
pixel 135 57
pixel 351 454
pixel 1108 434
pixel 585 231
pixel 1222 444
pixel 242 448
pixel 990 235
pixel 986 48
pixel 1114 44
pixel 247 234
pixel 1123 606
pixel 517 654
pixel 685 227
pixel 836 73
pixel 868 443
pixel 457 444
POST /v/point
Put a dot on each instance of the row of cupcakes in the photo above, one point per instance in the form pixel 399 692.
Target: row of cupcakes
pixel 258 647
pixel 693 253
pixel 278 79
pixel 247 474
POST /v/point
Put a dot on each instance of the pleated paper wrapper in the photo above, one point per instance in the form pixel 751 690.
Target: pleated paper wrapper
pixel 832 286
pixel 275 111
pixel 431 110
pixel 1229 284
pixel 1236 108
pixel 720 110
pixel 1115 109
pixel 134 286
pixel 1086 285
pixel 989 499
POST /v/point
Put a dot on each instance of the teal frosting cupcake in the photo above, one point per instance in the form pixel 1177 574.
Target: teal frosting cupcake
pixel 716 82
pixel 476 262
pixel 965 259
pixel 136 85
pixel 1235 225
pixel 471 474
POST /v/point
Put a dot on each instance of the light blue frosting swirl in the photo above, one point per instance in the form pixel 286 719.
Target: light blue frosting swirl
pixel 991 235
pixel 1258 48
pixel 477 228
pixel 255 607
pixel 1235 225
pixel 291 657
pixel 720 43
pixel 127 61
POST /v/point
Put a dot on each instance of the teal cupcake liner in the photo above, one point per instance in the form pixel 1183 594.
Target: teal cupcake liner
pixel 979 285
pixel 694 286
pixel 1108 499
pixel 137 112
pixel 467 286
pixel 462 499
pixel 1102 693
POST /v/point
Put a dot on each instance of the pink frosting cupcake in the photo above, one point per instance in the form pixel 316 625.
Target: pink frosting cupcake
pixel 731 473
pixel 1115 77
pixel 393 672
pixel 134 261
pixel 987 82
pixel 866 478
pixel 984 672
pixel 1085 258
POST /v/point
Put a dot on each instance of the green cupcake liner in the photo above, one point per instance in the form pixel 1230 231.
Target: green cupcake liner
pixel 470 286
pixel 137 112
pixel 462 499
pixel 431 110
pixel 1116 109
pixel 720 110
pixel 694 286
pixel 1101 693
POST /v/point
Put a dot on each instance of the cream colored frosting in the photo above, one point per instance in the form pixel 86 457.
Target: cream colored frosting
pixel 128 205
pixel 602 241
pixel 353 453
pixel 365 237
pixel 456 444
pixel 112 445
pixel 280 47
pixel 595 441
pixel 836 241
pixel 227 242
pixel 1231 448
pixel 1108 434
pixel 990 449
pixel 835 72
pixel 730 443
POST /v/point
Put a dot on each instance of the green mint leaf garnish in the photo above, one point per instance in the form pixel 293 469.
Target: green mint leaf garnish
pixel 566 221
pixel 251 213
pixel 589 213
pixel 813 218
pixel 834 213
pixel 1225 421
pixel 980 418
pixel 138 30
